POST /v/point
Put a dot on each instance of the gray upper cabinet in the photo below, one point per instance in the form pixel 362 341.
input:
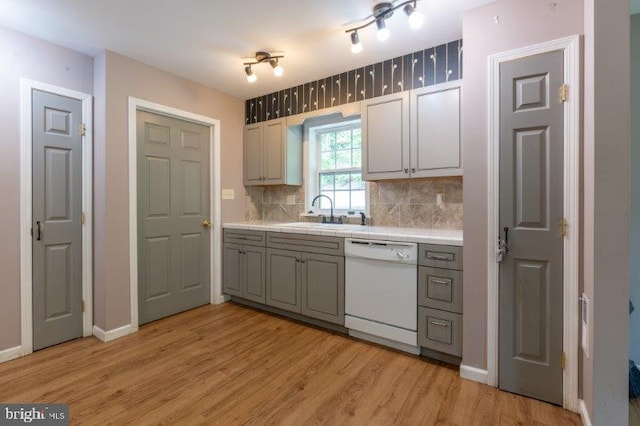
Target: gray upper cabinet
pixel 413 134
pixel 272 153
pixel 385 136
pixel 435 131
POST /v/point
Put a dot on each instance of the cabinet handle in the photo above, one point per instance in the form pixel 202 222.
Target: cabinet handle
pixel 439 324
pixel 436 256
pixel 303 261
pixel 439 281
pixel 413 170
pixel 406 170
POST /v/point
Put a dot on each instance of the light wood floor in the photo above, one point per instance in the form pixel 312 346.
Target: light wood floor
pixel 228 364
pixel 634 412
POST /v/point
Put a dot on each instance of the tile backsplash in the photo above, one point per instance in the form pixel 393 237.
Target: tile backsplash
pixel 412 203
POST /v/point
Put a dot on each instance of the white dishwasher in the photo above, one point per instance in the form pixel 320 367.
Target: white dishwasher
pixel 381 292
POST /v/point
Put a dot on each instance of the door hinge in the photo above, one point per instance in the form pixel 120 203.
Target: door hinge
pixel 83 129
pixel 83 306
pixel 564 93
pixel 564 225
pixel 563 360
pixel 83 218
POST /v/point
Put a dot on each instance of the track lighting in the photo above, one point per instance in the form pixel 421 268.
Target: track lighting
pixel 382 12
pixel 261 57
pixel 356 46
pixel 251 77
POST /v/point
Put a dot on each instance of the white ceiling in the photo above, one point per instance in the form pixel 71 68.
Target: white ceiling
pixel 206 40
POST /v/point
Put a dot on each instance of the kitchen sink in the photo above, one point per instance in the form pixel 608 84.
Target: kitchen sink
pixel 336 226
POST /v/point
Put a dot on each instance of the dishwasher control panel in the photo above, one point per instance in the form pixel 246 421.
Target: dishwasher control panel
pixel 390 251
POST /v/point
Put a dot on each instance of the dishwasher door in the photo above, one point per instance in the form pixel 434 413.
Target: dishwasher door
pixel 381 290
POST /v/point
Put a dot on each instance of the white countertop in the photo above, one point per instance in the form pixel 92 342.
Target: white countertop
pixel 387 233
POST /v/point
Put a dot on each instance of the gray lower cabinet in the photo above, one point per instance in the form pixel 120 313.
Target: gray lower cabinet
pixel 244 265
pixel 284 286
pixel 308 283
pixel 440 298
pixel 323 287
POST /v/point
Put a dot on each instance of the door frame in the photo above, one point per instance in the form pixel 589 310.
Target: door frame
pixel 26 207
pixel 136 105
pixel 570 46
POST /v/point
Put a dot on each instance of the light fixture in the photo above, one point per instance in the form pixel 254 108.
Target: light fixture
pixel 277 68
pixel 262 57
pixel 382 12
pixel 356 46
pixel 383 31
pixel 415 17
pixel 251 77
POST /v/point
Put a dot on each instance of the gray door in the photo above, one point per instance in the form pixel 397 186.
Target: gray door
pixel 173 216
pixel 323 287
pixel 531 206
pixel 57 228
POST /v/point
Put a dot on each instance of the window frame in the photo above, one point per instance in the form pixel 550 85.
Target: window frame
pixel 313 131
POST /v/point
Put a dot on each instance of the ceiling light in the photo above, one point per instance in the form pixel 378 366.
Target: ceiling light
pixel 277 68
pixel 382 12
pixel 251 77
pixel 356 46
pixel 415 17
pixel 383 31
pixel 262 57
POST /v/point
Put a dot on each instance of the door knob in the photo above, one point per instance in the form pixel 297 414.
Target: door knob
pixel 206 224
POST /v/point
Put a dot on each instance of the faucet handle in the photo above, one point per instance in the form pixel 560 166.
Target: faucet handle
pixel 363 218
pixel 324 218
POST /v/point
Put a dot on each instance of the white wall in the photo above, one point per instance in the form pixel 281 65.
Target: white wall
pixel 634 254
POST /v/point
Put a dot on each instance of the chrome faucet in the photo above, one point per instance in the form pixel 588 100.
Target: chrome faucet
pixel 331 218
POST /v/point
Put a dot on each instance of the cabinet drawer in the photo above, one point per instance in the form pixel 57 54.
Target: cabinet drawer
pixel 240 236
pixel 306 243
pixel 437 256
pixel 440 289
pixel 440 330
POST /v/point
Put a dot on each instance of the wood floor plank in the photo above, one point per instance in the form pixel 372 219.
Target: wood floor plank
pixel 228 364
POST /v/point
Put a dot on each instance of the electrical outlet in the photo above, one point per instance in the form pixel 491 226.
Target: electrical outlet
pixel 291 199
pixel 228 194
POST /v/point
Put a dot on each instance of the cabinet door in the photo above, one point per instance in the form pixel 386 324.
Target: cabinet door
pixel 283 279
pixel 274 140
pixel 253 154
pixel 254 273
pixel 385 137
pixel 435 132
pixel 323 287
pixel 232 270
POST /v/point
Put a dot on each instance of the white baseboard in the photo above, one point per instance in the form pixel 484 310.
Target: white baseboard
pixel 473 373
pixel 221 299
pixel 584 413
pixel 11 353
pixel 107 336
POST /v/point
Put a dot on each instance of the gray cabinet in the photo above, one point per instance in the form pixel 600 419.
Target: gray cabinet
pixel 272 153
pixel 413 134
pixel 244 265
pixel 323 287
pixel 385 137
pixel 436 148
pixel 305 274
pixel 284 284
pixel 440 298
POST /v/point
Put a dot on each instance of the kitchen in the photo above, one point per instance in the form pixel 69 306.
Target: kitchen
pixel 416 203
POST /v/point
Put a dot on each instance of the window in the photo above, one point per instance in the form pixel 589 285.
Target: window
pixel 338 170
